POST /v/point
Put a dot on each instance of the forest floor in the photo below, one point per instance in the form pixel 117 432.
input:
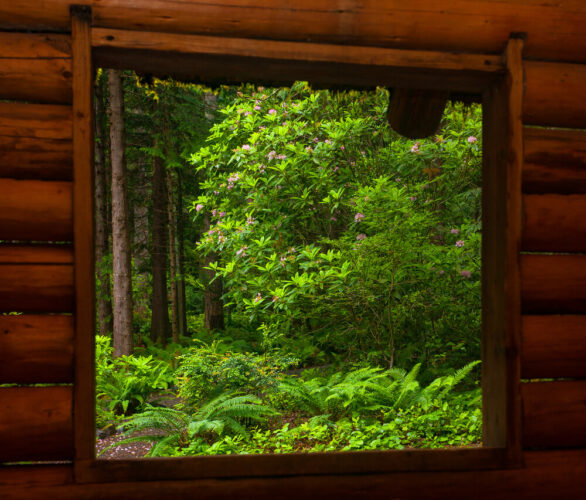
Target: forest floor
pixel 137 449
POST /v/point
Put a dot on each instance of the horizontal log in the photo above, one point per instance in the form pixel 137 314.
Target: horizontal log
pixel 294 51
pixel 36 210
pixel 30 158
pixel 452 25
pixel 554 94
pixel 554 414
pixel 35 45
pixel 38 121
pixel 36 423
pixel 36 349
pixel 555 161
pixel 35 475
pixel 36 254
pixel 221 70
pixel 546 475
pixel 37 80
pixel 554 223
pixel 553 284
pixel 553 346
pixel 36 288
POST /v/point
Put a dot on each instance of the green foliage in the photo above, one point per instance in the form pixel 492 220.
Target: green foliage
pixel 206 371
pixel 223 415
pixel 124 385
pixel 326 224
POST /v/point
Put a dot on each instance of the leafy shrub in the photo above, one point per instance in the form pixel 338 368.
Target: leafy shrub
pixel 207 371
pixel 124 385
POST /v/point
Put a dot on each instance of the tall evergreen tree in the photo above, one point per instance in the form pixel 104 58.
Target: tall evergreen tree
pixel 122 278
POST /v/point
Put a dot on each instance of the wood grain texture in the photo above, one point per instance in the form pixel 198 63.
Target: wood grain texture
pixel 295 51
pixel 554 414
pixel 416 113
pixel 83 223
pixel 35 423
pixel 38 121
pixel 36 288
pixel 553 284
pixel 35 210
pixel 34 46
pixel 554 223
pixel 32 158
pixel 31 475
pixel 36 349
pixel 555 161
pixel 36 80
pixel 35 254
pixel 546 475
pixel 554 94
pixel 554 346
pixel 453 25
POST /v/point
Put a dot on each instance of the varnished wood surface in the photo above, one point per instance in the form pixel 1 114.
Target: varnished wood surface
pixel 416 114
pixel 36 423
pixel 36 349
pixel 554 223
pixel 33 158
pixel 554 414
pixel 34 46
pixel 36 288
pixel 554 346
pixel 35 254
pixel 295 51
pixel 553 284
pixel 554 94
pixel 552 474
pixel 36 80
pixel 83 223
pixel 555 29
pixel 35 210
pixel 38 121
pixel 555 161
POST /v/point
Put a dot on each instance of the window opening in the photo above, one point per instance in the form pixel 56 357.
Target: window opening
pixel 303 278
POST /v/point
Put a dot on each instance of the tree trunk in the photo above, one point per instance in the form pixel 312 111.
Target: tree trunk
pixel 141 243
pixel 172 257
pixel 213 306
pixel 122 335
pixel 160 312
pixel 181 301
pixel 101 199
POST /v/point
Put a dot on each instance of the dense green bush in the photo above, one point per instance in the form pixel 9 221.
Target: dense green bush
pixel 124 385
pixel 328 225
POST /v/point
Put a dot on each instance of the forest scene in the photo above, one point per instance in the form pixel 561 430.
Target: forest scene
pixel 278 271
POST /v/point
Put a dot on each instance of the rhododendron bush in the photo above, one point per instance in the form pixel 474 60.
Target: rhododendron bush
pixel 338 239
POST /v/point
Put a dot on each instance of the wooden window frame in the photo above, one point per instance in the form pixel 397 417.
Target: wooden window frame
pixel 498 79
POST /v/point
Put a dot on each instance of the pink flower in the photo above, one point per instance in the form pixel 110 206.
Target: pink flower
pixel 454 231
pixel 242 251
pixel 271 155
pixel 460 243
pixel 309 149
pixel 316 140
pixel 198 207
pixel 472 139
pixel 258 298
pixel 249 220
pixel 465 274
pixel 257 108
pixel 214 212
pixel 327 141
pixel 246 147
pixel 283 260
pixel 275 298
pixel 247 113
pixel 415 148
pixel 361 237
pixel 281 157
pixel 222 214
pixel 272 111
pixel 342 148
pixel 333 218
pixel 441 272
pixel 358 217
pixel 412 198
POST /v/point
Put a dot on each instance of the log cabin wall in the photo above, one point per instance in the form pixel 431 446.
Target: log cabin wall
pixel 38 279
